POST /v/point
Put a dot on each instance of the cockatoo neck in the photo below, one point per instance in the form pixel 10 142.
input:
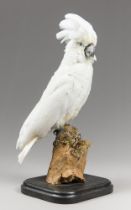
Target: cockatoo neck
pixel 75 54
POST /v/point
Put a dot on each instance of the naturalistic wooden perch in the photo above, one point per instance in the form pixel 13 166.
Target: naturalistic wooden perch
pixel 68 158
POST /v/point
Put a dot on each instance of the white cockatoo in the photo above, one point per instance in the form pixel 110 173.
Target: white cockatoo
pixel 69 87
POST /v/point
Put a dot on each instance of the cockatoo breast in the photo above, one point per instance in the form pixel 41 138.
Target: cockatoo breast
pixel 81 76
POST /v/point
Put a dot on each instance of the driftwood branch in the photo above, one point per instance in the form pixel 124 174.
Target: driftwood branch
pixel 68 158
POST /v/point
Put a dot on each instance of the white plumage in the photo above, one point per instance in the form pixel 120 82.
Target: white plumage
pixel 68 88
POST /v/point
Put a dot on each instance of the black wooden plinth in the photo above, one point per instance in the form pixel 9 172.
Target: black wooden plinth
pixel 93 187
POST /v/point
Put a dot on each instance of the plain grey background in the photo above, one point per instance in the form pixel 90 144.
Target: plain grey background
pixel 29 54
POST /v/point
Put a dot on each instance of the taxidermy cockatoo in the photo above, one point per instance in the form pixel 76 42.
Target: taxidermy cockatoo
pixel 68 88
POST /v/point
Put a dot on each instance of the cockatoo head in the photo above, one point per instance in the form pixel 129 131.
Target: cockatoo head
pixel 79 36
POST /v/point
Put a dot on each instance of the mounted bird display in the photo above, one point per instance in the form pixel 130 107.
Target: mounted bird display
pixel 69 87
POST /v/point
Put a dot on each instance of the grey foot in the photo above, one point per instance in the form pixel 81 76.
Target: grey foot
pixel 57 131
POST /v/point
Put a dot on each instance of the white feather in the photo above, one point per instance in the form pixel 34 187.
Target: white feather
pixel 67 90
pixel 75 27
pixel 25 150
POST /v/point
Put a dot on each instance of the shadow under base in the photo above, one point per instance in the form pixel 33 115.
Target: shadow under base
pixel 93 187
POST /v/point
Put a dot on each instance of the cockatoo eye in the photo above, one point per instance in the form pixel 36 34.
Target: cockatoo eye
pixel 80 43
pixel 89 50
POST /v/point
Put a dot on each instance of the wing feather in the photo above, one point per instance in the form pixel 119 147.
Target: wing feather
pixel 51 108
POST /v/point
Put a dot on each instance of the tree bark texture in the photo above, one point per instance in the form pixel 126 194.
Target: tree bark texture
pixel 68 158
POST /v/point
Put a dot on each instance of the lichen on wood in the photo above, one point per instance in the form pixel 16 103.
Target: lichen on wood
pixel 68 158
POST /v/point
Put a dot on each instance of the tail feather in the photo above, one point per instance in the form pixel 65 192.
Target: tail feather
pixel 26 149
